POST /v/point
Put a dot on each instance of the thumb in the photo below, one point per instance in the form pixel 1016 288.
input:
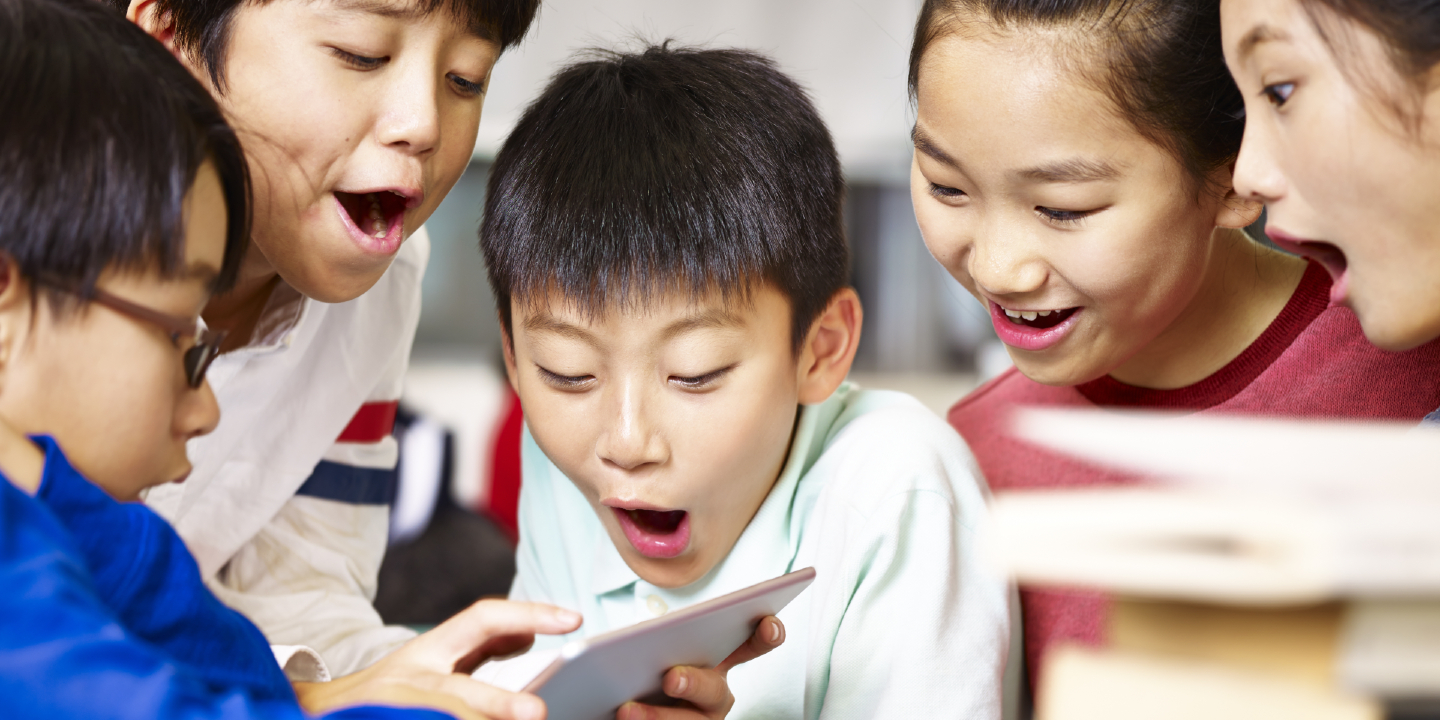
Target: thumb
pixel 768 635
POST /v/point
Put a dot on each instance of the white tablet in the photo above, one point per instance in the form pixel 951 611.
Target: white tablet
pixel 590 679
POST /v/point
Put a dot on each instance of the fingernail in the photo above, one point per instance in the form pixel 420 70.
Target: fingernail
pixel 774 632
pixel 566 616
pixel 682 682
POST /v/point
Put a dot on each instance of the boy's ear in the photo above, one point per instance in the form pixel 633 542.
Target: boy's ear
pixel 1235 211
pixel 829 348
pixel 160 26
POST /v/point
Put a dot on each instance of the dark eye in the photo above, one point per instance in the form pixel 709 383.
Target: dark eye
pixel 467 88
pixel 564 382
pixel 1064 217
pixel 701 382
pixel 946 193
pixel 359 62
pixel 1278 93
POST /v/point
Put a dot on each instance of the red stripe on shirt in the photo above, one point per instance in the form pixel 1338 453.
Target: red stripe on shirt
pixel 372 423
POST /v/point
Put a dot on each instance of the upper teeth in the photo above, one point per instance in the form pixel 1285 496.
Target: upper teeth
pixel 1028 314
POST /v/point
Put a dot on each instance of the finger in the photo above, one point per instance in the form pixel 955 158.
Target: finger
pixel 472 627
pixel 492 702
pixel 706 689
pixel 768 635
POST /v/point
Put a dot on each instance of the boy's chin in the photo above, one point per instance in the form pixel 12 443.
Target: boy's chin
pixel 668 573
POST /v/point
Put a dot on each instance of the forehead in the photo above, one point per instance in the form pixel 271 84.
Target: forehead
pixel 1001 100
pixel 205 221
pixel 1253 25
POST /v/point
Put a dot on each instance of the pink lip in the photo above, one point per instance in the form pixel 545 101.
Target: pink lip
pixel 394 234
pixel 182 478
pixel 1028 338
pixel 648 543
pixel 1328 255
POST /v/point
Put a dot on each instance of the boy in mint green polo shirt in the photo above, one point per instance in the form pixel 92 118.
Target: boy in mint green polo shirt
pixel 664 235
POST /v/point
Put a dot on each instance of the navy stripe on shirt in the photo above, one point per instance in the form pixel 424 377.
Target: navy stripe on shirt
pixel 350 484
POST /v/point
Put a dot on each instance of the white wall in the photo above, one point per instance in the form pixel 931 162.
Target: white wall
pixel 850 54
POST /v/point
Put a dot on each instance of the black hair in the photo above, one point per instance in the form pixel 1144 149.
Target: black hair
pixel 668 169
pixel 202 27
pixel 102 136
pixel 1161 62
pixel 1410 29
pixel 1410 32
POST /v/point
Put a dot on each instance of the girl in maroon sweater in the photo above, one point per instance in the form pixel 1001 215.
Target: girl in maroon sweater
pixel 1343 145
pixel 1073 170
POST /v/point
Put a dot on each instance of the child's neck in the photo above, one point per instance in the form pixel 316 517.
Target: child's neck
pixel 1246 285
pixel 238 312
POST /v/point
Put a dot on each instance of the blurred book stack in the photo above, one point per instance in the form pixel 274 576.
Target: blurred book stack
pixel 1273 569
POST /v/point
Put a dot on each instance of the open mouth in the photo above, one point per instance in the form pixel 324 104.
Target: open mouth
pixel 1333 258
pixel 378 215
pixel 655 533
pixel 1330 256
pixel 1038 319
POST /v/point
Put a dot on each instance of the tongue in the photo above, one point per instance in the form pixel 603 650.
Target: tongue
pixel 660 523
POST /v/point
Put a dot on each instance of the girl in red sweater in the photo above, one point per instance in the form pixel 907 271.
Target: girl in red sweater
pixel 1073 170
pixel 1343 145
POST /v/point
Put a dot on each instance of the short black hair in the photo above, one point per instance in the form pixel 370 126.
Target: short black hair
pixel 668 169
pixel 202 27
pixel 1160 61
pixel 102 136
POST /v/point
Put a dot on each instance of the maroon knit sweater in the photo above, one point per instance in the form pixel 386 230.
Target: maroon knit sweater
pixel 1313 361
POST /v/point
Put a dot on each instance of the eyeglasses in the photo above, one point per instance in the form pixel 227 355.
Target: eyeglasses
pixel 197 358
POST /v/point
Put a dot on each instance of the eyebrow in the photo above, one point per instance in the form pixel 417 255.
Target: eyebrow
pixel 401 10
pixel 707 319
pixel 1258 35
pixel 1074 170
pixel 924 144
pixel 383 8
pixel 545 322
pixel 202 271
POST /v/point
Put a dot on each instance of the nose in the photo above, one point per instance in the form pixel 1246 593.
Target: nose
pixel 410 119
pixel 1257 175
pixel 1005 260
pixel 197 412
pixel 632 441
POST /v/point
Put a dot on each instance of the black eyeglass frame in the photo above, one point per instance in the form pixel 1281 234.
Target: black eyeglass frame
pixel 197 359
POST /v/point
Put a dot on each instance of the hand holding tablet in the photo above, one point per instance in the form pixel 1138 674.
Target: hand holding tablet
pixel 588 679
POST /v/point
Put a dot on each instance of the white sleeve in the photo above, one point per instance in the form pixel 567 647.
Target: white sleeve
pixel 308 577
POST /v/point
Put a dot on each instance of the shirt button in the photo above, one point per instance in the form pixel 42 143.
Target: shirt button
pixel 656 605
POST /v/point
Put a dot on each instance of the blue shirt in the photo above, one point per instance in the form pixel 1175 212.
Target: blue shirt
pixel 103 615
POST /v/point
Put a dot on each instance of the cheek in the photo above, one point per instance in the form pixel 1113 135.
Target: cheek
pixel 565 427
pixel 1152 265
pixel 740 441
